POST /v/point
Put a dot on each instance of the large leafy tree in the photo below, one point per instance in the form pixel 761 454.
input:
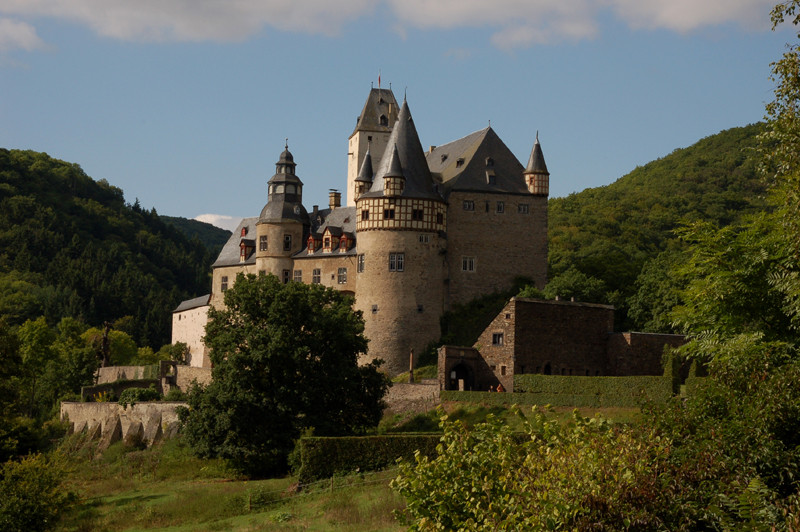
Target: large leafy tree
pixel 285 360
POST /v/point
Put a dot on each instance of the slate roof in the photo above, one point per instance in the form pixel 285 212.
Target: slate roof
pixel 341 220
pixel 229 256
pixel 193 303
pixel 536 163
pixel 482 153
pixel 379 102
pixel 411 158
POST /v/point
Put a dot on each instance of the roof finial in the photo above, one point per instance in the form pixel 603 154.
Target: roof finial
pixel 286 144
pixel 379 79
pixel 537 135
pixel 490 122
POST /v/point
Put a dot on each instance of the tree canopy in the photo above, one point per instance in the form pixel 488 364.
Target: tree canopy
pixel 285 360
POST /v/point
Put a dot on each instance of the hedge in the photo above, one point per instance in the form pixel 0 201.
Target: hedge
pixel 325 457
pixel 558 390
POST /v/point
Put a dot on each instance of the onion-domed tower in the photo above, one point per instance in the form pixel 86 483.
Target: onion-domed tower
pixel 401 234
pixel 284 223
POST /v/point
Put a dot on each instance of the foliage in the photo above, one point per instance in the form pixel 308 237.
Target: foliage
pixel 31 494
pixel 285 359
pixel 71 246
pixel 131 396
pixel 210 235
pixel 594 391
pixel 326 457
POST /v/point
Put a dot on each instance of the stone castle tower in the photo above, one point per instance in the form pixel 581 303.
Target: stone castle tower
pixel 420 231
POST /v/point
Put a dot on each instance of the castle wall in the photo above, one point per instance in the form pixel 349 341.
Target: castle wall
pixel 217 274
pixel 487 249
pixel 634 353
pixel 498 352
pixel 328 264
pixel 189 327
pixel 401 308
pixel 568 337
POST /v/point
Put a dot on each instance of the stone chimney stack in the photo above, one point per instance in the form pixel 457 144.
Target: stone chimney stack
pixel 334 199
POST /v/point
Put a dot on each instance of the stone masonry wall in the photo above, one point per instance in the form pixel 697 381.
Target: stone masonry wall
pixel 563 337
pixel 189 327
pixel 634 353
pixel 497 351
pixel 503 245
pixel 112 422
pixel 121 373
pixel 185 375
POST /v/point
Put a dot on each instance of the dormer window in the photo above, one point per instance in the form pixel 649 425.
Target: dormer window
pixel 444 157
pixel 383 120
pixel 459 162
pixel 490 178
pixel 244 231
pixel 489 162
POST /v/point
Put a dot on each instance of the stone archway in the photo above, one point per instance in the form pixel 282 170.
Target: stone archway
pixel 461 377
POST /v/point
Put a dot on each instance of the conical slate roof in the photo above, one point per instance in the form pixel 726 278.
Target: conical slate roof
pixel 411 159
pixel 536 163
pixel 365 174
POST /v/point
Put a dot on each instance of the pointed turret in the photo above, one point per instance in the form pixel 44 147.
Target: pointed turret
pixel 394 178
pixel 364 179
pixel 536 175
pixel 285 192
pixel 404 151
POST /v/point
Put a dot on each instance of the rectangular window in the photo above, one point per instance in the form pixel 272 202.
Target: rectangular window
pixel 469 205
pixel 388 214
pixel 424 239
pixel 502 370
pixel 522 208
pixel 342 276
pixel 360 267
pixel 286 274
pixel 298 276
pixel 439 218
pixel 365 214
pixel 316 276
pixel 224 284
pixel 287 242
pixel 396 262
pixel 501 207
pixel 497 338
pixel 416 214
pixel 262 243
pixel 467 264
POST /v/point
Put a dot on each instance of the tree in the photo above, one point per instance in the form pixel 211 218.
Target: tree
pixel 285 360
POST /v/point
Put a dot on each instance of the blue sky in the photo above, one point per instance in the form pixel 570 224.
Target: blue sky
pixel 185 104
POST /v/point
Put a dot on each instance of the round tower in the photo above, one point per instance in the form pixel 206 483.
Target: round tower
pixel 284 223
pixel 400 227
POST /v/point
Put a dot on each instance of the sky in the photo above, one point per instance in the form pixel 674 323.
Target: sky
pixel 186 104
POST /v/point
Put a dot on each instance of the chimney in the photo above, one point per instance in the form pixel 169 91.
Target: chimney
pixel 334 199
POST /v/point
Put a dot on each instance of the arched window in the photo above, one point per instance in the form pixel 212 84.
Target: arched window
pixel 383 120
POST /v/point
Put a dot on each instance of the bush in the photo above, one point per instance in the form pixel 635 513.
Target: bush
pixel 131 396
pixel 31 497
pixel 326 457
pixel 175 394
pixel 560 390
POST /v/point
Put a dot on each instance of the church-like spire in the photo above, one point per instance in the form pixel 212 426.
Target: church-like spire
pixel 536 175
pixel 365 174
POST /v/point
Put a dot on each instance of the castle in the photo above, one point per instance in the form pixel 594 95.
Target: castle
pixel 420 231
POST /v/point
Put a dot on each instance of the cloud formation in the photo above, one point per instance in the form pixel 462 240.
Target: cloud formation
pixel 15 35
pixel 516 23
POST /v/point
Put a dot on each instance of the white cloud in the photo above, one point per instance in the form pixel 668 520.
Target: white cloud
pixel 516 23
pixel 220 220
pixel 15 35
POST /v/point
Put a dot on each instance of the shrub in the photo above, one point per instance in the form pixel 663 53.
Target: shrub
pixel 31 496
pixel 326 457
pixel 131 396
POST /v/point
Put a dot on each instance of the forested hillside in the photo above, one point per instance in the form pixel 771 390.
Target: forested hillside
pixel 72 246
pixel 211 236
pixel 601 238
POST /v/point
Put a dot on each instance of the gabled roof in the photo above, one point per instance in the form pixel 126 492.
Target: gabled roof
pixel 229 256
pixel 410 158
pixel 464 164
pixel 380 102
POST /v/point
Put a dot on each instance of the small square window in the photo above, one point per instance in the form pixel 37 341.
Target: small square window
pixel 502 370
pixel 439 218
pixel 467 264
pixel 342 276
pixel 417 214
pixel 262 243
pixel 388 214
pixel 497 339
pixel 316 276
pixel 424 239
pixel 365 214
pixel 469 205
pixel 501 207
pixel 298 276
pixel 287 242
pixel 396 262
pixel 374 309
pixel 224 283
pixel 523 208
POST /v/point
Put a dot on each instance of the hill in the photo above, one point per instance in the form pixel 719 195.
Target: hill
pixel 211 236
pixel 72 246
pixel 601 238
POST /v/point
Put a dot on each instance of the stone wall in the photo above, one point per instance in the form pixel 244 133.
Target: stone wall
pixel 635 353
pixel 328 264
pixel 185 375
pixel 110 422
pixel 189 327
pixel 504 245
pixel 412 397
pixel 124 373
